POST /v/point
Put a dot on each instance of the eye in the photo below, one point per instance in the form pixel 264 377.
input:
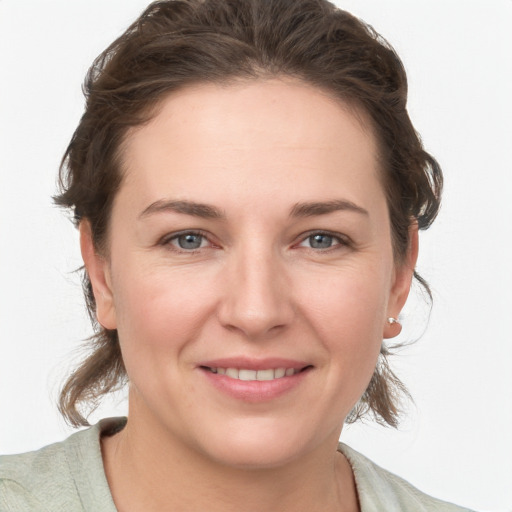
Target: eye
pixel 187 241
pixel 322 240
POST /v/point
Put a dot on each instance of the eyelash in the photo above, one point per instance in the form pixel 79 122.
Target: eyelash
pixel 168 239
pixel 341 240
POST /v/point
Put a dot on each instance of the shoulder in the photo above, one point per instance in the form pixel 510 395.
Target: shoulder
pixel 380 489
pixel 62 476
pixel 29 481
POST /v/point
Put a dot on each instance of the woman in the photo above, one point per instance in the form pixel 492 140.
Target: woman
pixel 248 189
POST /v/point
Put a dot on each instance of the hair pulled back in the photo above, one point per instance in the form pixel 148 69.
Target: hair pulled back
pixel 176 43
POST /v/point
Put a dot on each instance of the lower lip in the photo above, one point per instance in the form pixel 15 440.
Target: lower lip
pixel 255 390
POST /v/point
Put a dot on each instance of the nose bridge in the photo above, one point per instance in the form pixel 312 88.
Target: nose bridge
pixel 256 300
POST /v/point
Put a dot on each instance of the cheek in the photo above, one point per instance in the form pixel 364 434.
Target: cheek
pixel 349 300
pixel 158 309
pixel 347 315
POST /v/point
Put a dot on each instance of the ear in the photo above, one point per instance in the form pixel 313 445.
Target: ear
pixel 99 273
pixel 401 285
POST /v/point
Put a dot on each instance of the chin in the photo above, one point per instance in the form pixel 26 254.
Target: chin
pixel 255 455
pixel 258 446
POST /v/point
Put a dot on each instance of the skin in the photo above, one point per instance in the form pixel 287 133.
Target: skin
pixel 257 286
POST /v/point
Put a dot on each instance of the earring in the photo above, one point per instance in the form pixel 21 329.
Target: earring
pixel 393 328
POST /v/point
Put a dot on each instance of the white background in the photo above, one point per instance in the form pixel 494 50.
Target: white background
pixel 457 440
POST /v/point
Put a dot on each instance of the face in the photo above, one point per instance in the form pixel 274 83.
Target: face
pixel 250 269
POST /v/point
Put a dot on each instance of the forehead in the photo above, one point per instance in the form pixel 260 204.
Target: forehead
pixel 209 107
pixel 251 133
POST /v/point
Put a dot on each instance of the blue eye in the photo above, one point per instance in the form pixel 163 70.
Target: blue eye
pixel 188 241
pixel 322 241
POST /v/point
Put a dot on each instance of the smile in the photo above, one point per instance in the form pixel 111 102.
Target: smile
pixel 261 375
pixel 254 380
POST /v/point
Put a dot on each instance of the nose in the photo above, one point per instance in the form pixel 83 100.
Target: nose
pixel 257 300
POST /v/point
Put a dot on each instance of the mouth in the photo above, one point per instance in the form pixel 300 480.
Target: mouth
pixel 255 380
pixel 246 374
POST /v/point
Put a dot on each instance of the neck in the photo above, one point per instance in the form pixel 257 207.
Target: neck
pixel 148 470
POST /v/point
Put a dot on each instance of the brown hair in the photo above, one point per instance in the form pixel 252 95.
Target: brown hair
pixel 175 43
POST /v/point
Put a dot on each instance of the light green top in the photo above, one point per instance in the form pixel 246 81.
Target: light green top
pixel 69 477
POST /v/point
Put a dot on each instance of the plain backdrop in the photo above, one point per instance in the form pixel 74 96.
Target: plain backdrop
pixel 456 442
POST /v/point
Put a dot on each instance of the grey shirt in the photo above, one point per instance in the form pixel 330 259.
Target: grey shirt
pixel 69 476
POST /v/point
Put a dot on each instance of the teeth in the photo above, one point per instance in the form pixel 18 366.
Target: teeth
pixel 245 374
pixel 279 372
pixel 265 375
pixel 232 372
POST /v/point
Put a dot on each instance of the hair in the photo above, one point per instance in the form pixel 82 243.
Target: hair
pixel 177 43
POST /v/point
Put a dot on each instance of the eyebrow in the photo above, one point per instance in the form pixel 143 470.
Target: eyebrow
pixel 322 208
pixel 206 211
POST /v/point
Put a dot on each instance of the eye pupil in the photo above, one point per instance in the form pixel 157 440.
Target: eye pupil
pixel 320 241
pixel 190 241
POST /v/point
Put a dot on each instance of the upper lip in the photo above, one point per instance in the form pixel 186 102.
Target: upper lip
pixel 254 364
